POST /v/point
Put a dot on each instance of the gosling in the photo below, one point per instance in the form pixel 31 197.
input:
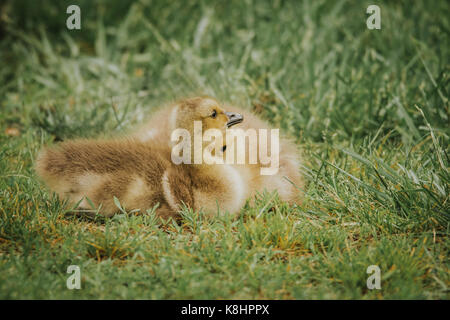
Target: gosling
pixel 141 174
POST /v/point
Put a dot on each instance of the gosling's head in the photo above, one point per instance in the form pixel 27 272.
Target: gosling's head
pixel 206 110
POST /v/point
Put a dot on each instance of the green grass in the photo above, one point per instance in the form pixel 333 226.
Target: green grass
pixel 369 108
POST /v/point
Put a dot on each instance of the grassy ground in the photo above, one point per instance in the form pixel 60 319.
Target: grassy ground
pixel 369 108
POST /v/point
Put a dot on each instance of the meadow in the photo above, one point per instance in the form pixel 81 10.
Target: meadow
pixel 368 108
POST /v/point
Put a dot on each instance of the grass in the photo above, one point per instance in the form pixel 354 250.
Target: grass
pixel 369 108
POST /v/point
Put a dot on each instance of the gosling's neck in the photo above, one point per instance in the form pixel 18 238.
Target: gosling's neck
pixel 221 182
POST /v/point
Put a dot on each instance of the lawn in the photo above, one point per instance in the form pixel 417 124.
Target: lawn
pixel 368 108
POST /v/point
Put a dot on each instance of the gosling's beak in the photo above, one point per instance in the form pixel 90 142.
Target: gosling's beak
pixel 233 118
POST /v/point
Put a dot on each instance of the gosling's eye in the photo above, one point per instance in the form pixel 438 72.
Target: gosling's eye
pixel 214 114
